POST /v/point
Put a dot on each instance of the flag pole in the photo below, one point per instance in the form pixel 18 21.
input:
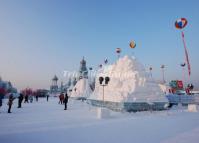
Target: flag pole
pixel 186 55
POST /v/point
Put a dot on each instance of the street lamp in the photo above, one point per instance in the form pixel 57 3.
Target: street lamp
pixel 150 69
pixel 163 78
pixel 90 79
pixel 106 81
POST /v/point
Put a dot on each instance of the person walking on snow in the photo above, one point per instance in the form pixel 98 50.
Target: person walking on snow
pixel 37 97
pixel 26 99
pixel 66 101
pixel 2 94
pixel 20 99
pixel 10 102
pixel 61 98
pixel 47 96
pixel 1 98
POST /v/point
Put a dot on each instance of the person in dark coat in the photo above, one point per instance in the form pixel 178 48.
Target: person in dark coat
pixel 66 101
pixel 20 99
pixel 26 99
pixel 37 97
pixel 10 102
pixel 1 99
pixel 47 96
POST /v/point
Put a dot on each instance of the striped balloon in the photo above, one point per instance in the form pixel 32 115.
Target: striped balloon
pixel 181 23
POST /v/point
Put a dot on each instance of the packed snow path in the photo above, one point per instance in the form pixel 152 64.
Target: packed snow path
pixel 47 122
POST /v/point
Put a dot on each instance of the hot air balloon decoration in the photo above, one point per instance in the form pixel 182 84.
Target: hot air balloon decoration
pixel 132 44
pixel 181 23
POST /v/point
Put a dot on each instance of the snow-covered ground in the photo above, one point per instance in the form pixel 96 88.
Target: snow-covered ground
pixel 47 122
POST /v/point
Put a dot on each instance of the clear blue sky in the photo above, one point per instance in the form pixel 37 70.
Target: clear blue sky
pixel 40 38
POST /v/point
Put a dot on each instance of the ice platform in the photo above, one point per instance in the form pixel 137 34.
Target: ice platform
pixel 130 106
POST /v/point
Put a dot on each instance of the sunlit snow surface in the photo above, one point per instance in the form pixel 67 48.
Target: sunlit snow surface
pixel 129 82
pixel 47 122
pixel 81 89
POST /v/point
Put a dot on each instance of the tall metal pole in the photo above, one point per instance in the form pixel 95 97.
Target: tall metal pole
pixel 163 75
pixel 186 55
pixel 183 73
pixel 163 79
pixel 103 92
pixel 90 74
pixel 150 69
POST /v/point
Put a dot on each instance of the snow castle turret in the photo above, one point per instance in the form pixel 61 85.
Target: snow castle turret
pixel 83 72
pixel 54 86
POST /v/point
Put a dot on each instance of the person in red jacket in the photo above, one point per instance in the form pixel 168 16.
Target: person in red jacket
pixel 2 94
pixel 61 98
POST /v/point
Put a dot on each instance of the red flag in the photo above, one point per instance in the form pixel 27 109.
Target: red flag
pixel 186 55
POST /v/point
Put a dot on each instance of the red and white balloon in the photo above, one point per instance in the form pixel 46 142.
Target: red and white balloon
pixel 181 23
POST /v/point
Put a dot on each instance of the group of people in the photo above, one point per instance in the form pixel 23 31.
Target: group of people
pixel 10 101
pixel 63 99
pixel 21 97
pixel 11 98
